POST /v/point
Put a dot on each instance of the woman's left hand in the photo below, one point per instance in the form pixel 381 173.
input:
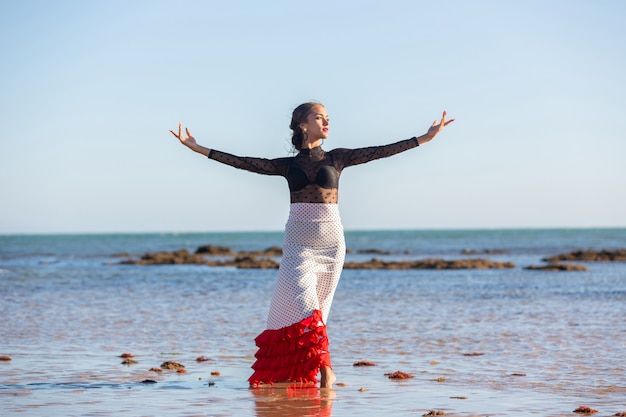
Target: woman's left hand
pixel 435 128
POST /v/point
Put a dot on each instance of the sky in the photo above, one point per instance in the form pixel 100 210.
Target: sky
pixel 89 90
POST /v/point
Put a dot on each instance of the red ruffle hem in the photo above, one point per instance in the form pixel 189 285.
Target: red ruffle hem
pixel 292 354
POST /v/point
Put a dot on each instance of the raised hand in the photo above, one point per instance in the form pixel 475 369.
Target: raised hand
pixel 435 128
pixel 189 141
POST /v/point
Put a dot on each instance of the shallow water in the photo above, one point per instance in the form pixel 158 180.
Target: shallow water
pixel 496 342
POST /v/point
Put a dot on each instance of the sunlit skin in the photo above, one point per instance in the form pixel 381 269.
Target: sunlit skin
pixel 316 127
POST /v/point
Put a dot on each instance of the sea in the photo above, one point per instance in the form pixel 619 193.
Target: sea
pixel 492 342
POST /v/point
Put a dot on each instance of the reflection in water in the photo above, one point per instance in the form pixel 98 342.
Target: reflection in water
pixel 293 400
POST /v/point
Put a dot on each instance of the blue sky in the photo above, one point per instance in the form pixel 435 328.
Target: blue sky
pixel 89 90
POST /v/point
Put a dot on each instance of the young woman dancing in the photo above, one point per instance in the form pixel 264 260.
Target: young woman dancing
pixel 294 347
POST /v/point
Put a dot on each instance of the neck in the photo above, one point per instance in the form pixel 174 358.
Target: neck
pixel 311 145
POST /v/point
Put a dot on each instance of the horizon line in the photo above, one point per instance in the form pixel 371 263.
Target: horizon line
pixel 451 229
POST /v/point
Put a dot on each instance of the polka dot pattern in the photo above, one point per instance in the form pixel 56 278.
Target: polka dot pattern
pixel 313 254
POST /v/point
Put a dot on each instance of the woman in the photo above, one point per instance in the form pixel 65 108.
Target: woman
pixel 294 347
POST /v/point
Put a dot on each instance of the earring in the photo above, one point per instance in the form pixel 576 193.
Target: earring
pixel 304 130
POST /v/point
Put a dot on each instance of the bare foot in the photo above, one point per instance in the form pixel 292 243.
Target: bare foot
pixel 328 377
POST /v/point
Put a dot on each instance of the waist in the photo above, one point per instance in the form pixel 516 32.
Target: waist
pixel 314 212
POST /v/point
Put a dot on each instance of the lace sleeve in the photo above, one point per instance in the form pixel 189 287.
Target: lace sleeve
pixel 264 166
pixel 348 157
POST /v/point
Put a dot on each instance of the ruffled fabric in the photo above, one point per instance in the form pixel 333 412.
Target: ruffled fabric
pixel 292 354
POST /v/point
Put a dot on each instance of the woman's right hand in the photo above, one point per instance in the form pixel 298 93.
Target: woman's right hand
pixel 189 141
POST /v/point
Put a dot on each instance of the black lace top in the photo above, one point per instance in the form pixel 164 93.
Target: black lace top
pixel 313 174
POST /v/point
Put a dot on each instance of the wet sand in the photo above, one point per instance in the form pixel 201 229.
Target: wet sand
pixel 98 386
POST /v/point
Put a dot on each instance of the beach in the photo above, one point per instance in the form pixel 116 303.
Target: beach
pixel 497 342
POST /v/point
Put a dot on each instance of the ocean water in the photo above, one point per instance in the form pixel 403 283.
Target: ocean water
pixel 507 342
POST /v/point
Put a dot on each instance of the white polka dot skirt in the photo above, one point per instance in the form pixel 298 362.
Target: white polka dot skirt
pixel 313 254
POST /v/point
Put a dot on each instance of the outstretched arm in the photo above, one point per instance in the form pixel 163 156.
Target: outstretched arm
pixel 190 141
pixel 349 157
pixel 264 166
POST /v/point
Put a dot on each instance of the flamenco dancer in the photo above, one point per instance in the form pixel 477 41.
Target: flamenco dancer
pixel 294 347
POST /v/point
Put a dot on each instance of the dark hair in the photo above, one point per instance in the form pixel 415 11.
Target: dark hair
pixel 299 116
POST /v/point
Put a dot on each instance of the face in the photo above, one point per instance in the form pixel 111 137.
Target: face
pixel 316 125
